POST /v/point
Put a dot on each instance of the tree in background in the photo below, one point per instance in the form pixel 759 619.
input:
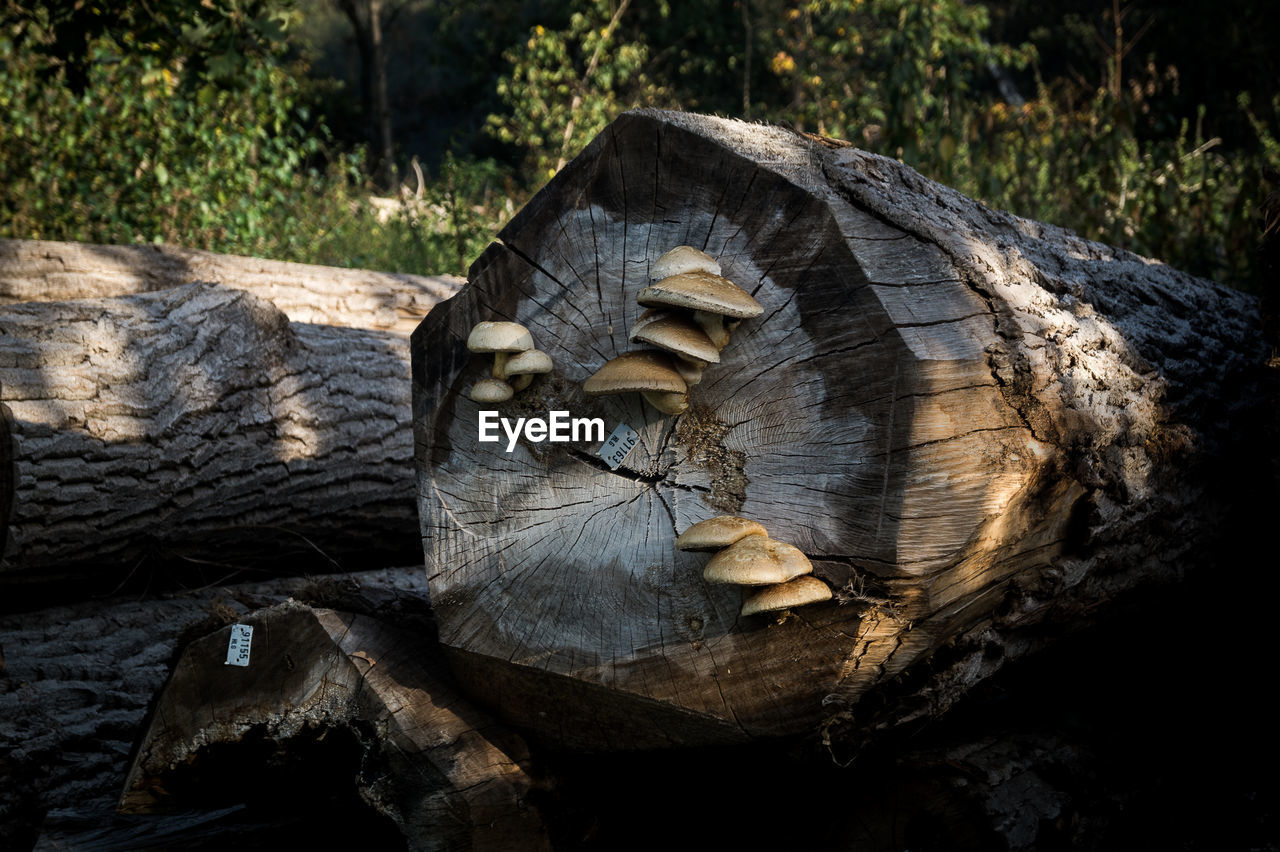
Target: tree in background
pixel 368 19
pixel 1074 117
pixel 566 85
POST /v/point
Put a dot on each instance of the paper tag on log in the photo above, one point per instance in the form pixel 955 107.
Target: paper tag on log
pixel 621 441
pixel 238 645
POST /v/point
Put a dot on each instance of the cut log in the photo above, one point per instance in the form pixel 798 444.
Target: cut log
pixel 441 770
pixel 198 423
pixel 34 270
pixel 973 424
pixel 77 681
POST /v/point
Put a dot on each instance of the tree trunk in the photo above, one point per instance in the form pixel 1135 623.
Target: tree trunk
pixel 976 426
pixel 34 270
pixel 198 424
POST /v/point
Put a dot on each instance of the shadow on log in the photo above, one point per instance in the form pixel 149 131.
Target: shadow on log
pixel 975 425
pixel 198 426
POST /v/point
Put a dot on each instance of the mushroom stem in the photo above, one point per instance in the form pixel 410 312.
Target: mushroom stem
pixel 500 364
pixel 667 402
pixel 714 326
pixel 519 383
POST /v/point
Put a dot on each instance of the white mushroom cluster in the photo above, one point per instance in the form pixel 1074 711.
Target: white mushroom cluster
pixel 748 557
pixel 692 310
pixel 515 361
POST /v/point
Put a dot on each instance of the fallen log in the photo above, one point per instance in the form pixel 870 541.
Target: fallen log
pixel 78 682
pixel 36 270
pixel 197 425
pixel 977 427
pixel 437 767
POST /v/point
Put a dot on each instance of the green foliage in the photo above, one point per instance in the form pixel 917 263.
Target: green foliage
pixel 565 85
pixel 179 120
pixel 445 230
pixel 136 156
pixel 901 78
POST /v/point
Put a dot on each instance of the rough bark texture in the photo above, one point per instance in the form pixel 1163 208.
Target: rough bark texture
pixel 975 425
pixel 199 423
pixel 441 770
pixel 32 270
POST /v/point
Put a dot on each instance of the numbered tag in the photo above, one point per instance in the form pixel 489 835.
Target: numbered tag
pixel 238 645
pixel 621 441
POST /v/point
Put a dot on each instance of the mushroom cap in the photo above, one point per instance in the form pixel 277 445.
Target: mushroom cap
pixel 798 592
pixel 675 333
pixel 528 362
pixel 756 560
pixel 499 337
pixel 701 291
pixel 683 259
pixel 492 390
pixel 720 531
pixel 636 371
pixel 667 403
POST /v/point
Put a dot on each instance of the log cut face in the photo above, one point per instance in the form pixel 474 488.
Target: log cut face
pixel 862 418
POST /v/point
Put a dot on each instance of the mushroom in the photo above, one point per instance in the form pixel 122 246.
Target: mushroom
pixel 757 560
pixel 501 339
pixel 670 331
pixel 667 403
pixel 650 373
pixel 525 365
pixel 492 390
pixel 683 259
pixel 802 590
pixel 718 532
pixel 712 298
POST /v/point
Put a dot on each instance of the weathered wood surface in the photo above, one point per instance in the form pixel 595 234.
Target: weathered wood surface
pixel 971 423
pixel 198 423
pixel 440 769
pixel 36 270
pixel 76 681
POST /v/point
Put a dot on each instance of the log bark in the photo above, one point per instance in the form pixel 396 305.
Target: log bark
pixel 34 270
pixel 978 427
pixel 198 424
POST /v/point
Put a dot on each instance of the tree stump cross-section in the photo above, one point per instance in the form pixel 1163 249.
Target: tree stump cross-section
pixel 969 422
